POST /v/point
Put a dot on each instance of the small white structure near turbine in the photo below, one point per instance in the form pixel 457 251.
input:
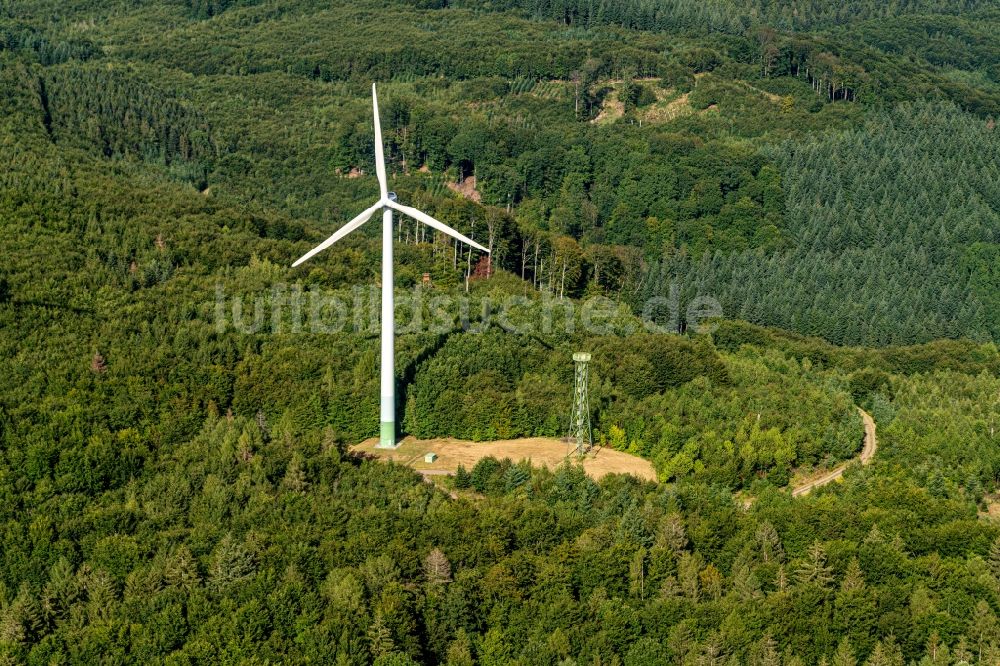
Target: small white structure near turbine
pixel 386 203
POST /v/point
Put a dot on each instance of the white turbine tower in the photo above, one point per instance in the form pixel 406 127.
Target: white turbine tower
pixel 386 203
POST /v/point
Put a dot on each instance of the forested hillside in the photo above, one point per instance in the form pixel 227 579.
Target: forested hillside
pixel 177 403
pixel 631 154
pixel 723 15
pixel 873 263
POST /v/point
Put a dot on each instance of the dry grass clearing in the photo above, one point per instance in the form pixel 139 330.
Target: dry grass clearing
pixel 666 109
pixel 541 451
pixel 611 109
pixel 992 511
pixel 669 105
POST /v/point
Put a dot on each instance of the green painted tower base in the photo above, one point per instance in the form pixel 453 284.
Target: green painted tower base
pixel 387 437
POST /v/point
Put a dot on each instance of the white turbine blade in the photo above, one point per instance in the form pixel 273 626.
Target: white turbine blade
pixel 343 231
pixel 420 216
pixel 379 156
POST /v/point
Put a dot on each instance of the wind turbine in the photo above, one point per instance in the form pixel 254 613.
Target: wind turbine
pixel 386 203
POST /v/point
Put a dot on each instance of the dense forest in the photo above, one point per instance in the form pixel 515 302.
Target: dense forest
pixel 175 429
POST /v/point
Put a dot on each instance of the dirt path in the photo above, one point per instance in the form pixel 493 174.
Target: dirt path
pixel 871 445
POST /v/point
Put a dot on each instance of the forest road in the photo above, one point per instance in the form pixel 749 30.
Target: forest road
pixel 871 445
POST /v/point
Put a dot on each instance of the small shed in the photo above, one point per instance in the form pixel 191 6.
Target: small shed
pixel 430 457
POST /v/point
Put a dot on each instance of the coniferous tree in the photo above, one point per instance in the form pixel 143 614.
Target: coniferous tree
pixel 460 651
pixel 437 568
pixel 844 656
pixel 295 475
pixel 232 562
pixel 994 558
pixel 853 580
pixel 462 478
pixel 181 570
pixel 814 568
pixel 380 642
